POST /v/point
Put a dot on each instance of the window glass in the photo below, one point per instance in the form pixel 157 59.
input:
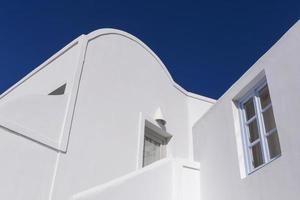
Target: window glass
pixel 274 146
pixel 253 131
pixel 269 119
pixel 249 109
pixel 257 157
pixel 264 95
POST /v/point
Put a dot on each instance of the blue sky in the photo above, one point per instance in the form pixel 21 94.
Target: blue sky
pixel 206 45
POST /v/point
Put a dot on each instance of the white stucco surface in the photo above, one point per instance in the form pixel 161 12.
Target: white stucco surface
pixel 166 179
pixel 26 107
pixel 218 132
pixel 93 133
pixel 26 167
pixel 151 183
pixel 112 94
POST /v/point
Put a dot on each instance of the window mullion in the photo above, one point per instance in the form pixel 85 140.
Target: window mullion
pixel 254 142
pixel 250 120
pixel 271 132
pixel 261 128
pixel 266 108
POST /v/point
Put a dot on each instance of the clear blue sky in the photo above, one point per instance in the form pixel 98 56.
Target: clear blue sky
pixel 206 45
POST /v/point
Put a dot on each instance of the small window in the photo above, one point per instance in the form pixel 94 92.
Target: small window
pixel 154 145
pixel 259 128
pixel 59 91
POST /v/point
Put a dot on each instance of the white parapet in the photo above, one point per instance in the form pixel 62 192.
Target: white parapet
pixel 168 179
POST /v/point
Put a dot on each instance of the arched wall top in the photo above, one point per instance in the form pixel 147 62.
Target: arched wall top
pixel 82 42
pixel 98 33
pixel 108 31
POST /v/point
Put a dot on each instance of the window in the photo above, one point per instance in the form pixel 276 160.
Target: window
pixel 154 146
pixel 59 91
pixel 259 128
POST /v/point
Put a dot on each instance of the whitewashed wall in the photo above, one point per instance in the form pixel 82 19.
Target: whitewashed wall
pixel 31 126
pixel 26 167
pixel 152 183
pixel 121 79
pixel 219 148
pixel 114 82
pixel 167 179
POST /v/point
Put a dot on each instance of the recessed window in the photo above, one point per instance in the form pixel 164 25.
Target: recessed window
pixel 155 141
pixel 59 91
pixel 261 139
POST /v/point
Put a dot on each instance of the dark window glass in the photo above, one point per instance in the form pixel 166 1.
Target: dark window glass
pixel 253 131
pixel 257 155
pixel 274 146
pixel 249 109
pixel 269 119
pixel 264 96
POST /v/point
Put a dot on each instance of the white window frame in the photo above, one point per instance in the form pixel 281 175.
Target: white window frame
pixel 254 93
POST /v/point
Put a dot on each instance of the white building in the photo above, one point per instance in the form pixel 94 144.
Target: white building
pixel 103 120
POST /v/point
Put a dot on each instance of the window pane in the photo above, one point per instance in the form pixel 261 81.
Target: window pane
pixel 264 96
pixel 253 131
pixel 249 109
pixel 269 119
pixel 151 151
pixel 257 155
pixel 274 146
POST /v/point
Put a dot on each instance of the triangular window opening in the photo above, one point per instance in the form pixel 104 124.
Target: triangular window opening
pixel 59 91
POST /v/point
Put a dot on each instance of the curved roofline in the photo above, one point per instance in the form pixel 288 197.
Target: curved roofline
pixel 99 33
pixel 107 31
pixel 82 42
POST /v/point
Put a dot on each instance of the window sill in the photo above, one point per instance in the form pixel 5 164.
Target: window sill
pixel 263 165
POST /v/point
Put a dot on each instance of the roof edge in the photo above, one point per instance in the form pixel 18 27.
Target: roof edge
pixel 41 66
pixel 107 31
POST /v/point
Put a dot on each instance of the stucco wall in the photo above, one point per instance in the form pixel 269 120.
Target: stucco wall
pixel 121 81
pixel 151 183
pixel 26 167
pixel 53 73
pixel 167 179
pixel 115 83
pixel 30 127
pixel 219 146
pixel 27 109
